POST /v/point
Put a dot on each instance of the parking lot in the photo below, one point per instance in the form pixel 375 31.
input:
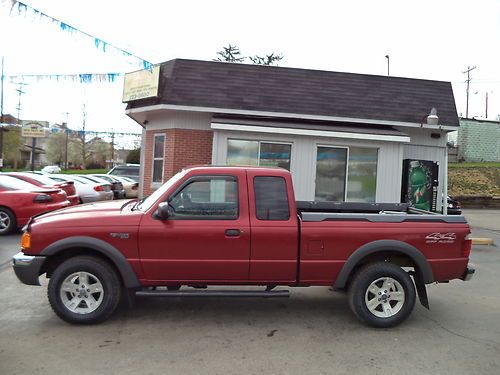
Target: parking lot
pixel 313 332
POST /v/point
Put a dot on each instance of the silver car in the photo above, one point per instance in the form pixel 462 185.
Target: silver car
pixel 87 190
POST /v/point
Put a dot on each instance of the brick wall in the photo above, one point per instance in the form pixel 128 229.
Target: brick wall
pixel 478 140
pixel 183 147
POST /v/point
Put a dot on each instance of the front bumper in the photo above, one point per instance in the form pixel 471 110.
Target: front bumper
pixel 27 267
pixel 469 272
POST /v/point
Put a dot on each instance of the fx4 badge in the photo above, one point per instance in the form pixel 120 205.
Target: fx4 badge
pixel 437 237
pixel 123 236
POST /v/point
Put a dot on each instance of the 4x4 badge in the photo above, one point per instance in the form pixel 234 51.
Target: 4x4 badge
pixel 437 237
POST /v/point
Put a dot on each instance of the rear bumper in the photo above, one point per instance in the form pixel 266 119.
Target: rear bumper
pixel 27 267
pixel 469 272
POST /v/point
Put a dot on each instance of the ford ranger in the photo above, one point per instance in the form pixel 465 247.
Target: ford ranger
pixel 240 226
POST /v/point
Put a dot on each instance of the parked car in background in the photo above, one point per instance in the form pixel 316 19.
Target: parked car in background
pixel 116 186
pixel 131 187
pixel 453 206
pixel 20 200
pixel 127 170
pixel 87 190
pixel 44 181
pixel 119 190
pixel 51 169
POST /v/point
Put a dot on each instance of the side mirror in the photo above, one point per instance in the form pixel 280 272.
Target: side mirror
pixel 162 212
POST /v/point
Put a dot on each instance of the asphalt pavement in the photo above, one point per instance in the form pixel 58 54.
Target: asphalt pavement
pixel 313 332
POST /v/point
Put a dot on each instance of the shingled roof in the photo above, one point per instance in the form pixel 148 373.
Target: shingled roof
pixel 301 92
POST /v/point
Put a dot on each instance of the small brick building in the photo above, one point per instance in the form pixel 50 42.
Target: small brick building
pixel 343 136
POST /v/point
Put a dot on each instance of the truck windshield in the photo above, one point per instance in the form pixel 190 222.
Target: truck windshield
pixel 148 202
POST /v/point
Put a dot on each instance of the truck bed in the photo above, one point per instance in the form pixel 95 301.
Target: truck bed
pixel 375 212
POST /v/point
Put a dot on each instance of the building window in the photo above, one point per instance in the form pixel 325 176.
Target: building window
pixel 158 157
pixel 253 153
pixel 346 174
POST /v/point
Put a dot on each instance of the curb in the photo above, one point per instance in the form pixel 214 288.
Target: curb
pixel 482 241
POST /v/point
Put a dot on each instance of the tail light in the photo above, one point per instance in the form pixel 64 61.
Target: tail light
pixel 467 247
pixel 99 188
pixel 42 198
pixel 134 187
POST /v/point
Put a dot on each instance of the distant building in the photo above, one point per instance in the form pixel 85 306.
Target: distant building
pixel 478 140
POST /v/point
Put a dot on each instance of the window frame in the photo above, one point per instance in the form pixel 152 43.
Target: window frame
pixel 153 182
pixel 259 142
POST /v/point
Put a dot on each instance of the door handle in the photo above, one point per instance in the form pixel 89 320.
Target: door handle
pixel 232 232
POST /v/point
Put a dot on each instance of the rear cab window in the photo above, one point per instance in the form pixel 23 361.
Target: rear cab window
pixel 271 198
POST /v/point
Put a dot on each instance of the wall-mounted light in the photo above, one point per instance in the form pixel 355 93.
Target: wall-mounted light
pixel 430 119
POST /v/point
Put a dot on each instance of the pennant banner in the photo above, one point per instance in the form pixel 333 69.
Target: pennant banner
pixel 81 78
pixel 24 9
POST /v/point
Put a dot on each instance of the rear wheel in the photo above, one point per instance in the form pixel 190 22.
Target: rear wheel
pixel 382 295
pixel 84 290
pixel 7 221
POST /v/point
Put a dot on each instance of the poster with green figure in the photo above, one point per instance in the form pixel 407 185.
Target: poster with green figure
pixel 420 182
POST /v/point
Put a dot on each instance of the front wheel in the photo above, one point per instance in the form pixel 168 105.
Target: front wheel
pixel 84 290
pixel 382 295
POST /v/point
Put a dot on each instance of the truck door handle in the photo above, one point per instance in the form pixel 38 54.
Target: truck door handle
pixel 232 232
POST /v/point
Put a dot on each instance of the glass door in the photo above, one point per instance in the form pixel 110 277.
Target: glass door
pixel 331 171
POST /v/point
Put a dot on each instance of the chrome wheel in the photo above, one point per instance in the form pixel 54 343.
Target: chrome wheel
pixel 5 221
pixel 384 297
pixel 81 293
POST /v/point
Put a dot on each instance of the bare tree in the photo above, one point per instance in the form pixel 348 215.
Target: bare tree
pixel 267 59
pixel 230 54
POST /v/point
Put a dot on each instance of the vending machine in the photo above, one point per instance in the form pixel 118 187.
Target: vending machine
pixel 420 184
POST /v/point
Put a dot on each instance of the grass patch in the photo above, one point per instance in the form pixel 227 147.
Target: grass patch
pixel 85 171
pixel 474 165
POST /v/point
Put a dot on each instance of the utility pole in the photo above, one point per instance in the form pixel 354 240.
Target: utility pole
pixel 1 118
pixel 84 115
pixel 66 136
pixel 112 148
pixel 388 64
pixel 469 69
pixel 486 114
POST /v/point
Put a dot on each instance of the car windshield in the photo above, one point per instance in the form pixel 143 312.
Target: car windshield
pixel 148 202
pixel 12 183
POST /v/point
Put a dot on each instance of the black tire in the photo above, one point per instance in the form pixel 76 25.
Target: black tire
pixel 8 221
pixel 386 310
pixel 95 269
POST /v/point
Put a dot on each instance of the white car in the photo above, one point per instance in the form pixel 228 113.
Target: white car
pixel 130 186
pixel 87 190
pixel 51 169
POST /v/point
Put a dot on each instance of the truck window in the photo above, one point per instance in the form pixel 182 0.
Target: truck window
pixel 206 198
pixel 271 198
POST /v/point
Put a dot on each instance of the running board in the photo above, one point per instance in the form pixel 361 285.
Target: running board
pixel 213 293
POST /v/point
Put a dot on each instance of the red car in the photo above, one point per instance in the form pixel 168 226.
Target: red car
pixel 45 182
pixel 20 200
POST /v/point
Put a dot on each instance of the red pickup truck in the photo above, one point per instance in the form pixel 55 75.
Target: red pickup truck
pixel 230 226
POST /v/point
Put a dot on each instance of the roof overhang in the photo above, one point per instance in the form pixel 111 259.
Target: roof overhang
pixel 133 112
pixel 345 132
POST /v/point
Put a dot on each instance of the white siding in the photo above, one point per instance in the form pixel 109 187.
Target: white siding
pixel 180 120
pixel 424 147
pixel 303 163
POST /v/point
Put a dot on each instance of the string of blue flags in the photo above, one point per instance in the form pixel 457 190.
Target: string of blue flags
pixel 27 10
pixel 77 78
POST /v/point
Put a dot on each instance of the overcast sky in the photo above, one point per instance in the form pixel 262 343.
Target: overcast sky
pixel 425 39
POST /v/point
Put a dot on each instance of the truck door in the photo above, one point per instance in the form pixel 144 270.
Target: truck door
pixel 206 236
pixel 274 226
